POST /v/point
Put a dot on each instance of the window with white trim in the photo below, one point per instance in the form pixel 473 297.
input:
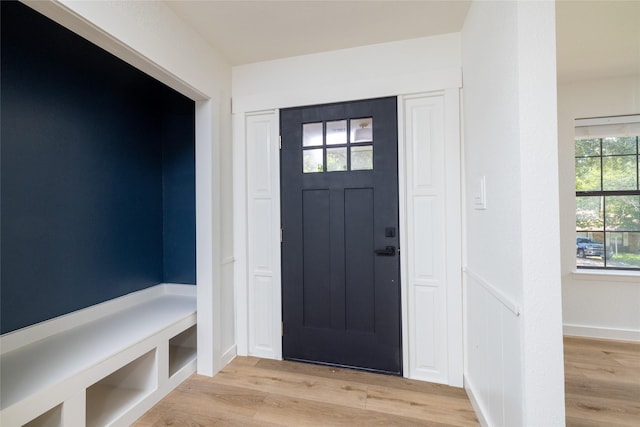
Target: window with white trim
pixel 607 161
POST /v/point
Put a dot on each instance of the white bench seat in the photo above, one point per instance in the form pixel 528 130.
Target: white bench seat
pixel 39 375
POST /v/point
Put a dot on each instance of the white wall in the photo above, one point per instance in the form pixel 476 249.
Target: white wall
pixel 149 36
pixel 386 69
pixel 514 370
pixel 604 305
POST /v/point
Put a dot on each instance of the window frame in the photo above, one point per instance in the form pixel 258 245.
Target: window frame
pixel 347 145
pixel 601 128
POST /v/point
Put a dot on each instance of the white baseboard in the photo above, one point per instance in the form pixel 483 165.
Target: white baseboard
pixel 474 403
pixel 598 332
pixel 228 356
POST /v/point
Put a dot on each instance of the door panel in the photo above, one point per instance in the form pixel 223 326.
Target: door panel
pixel 341 299
pixel 316 253
pixel 359 263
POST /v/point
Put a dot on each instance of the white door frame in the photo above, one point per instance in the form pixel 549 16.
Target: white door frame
pixel 256 180
pixel 431 235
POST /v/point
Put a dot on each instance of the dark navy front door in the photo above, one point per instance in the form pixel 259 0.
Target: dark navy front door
pixel 340 259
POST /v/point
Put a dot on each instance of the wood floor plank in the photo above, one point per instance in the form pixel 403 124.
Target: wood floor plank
pixel 583 422
pixel 602 382
pixel 301 412
pixel 181 417
pixel 246 361
pixel 601 372
pixel 361 377
pixel 579 385
pixel 437 409
pixel 206 400
pixel 279 382
pixel 205 395
pixel 629 347
pixel 627 360
pixel 602 359
pixel 606 411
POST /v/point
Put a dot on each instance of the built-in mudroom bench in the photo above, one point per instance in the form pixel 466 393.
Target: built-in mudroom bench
pixel 98 208
pixel 101 366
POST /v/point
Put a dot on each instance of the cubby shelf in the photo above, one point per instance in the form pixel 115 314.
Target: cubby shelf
pixel 121 357
pixel 182 350
pixel 115 394
pixel 51 418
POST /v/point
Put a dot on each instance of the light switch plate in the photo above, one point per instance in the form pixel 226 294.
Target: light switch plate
pixel 480 196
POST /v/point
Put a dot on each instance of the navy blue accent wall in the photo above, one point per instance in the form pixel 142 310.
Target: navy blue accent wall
pixel 97 175
pixel 179 193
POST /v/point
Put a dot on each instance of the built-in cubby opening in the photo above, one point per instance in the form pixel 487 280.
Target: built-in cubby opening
pixel 51 418
pixel 111 397
pixel 98 174
pixel 182 349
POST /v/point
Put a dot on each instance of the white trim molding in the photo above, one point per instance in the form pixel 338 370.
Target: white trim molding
pixel 628 276
pixel 430 211
pixel 510 304
pixel 475 404
pixel 600 332
pixel 608 126
pixel 263 234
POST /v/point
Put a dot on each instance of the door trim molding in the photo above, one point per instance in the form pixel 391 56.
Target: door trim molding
pixel 429 125
pixel 244 243
pixel 259 284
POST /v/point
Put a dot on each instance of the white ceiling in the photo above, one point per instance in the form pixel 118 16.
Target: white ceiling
pixel 253 31
pixel 595 39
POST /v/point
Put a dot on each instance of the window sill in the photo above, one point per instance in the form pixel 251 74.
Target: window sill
pixel 607 275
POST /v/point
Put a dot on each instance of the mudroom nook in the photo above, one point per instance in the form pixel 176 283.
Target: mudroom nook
pixel 98 238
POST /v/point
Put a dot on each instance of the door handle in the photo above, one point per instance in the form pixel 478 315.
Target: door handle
pixel 387 251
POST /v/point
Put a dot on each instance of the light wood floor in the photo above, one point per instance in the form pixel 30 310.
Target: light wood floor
pixel 602 382
pixel 260 392
pixel 602 388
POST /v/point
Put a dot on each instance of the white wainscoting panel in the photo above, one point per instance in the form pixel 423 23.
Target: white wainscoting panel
pixel 423 139
pixel 263 217
pixel 493 379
